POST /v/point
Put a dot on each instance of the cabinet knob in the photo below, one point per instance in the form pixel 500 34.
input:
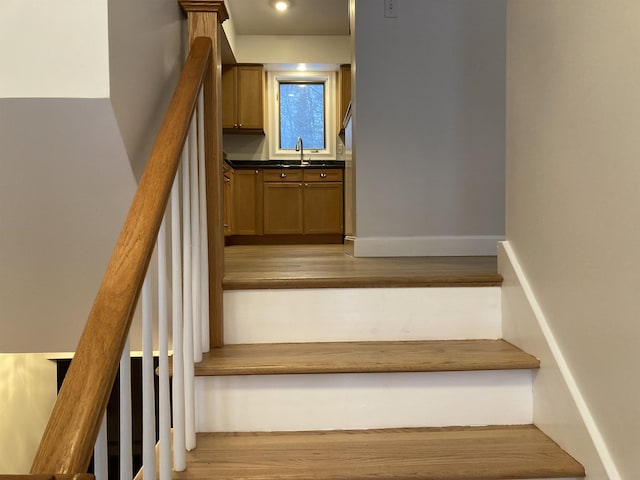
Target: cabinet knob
pixel 239 125
pixel 283 175
pixel 235 125
pixel 256 172
pixel 323 175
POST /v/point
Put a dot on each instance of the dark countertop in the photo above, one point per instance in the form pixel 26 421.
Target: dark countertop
pixel 313 164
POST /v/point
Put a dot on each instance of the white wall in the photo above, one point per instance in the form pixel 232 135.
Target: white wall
pixel 145 59
pixel 27 395
pixel 54 49
pixel 292 49
pixel 573 191
pixel 429 127
pixel 559 409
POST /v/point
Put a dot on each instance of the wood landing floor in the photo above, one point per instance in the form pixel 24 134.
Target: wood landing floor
pixel 328 266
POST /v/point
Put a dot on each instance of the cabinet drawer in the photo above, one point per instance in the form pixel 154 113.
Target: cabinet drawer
pixel 318 175
pixel 283 175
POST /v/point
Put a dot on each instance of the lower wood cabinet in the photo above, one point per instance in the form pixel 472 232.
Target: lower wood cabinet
pixel 283 208
pixel 288 202
pixel 322 207
pixel 302 201
pixel 247 205
pixel 228 200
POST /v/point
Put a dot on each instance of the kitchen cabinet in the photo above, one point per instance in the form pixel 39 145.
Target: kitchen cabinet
pixel 283 202
pixel 344 93
pixel 322 200
pixel 228 199
pixel 247 205
pixel 243 99
pixel 303 201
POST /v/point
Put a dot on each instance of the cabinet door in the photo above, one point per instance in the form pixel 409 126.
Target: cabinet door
pixel 283 208
pixel 248 202
pixel 345 93
pixel 250 85
pixel 323 207
pixel 229 97
pixel 228 203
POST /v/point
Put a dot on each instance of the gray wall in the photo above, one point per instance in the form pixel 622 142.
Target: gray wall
pixel 145 59
pixel 429 127
pixel 69 165
pixel 573 194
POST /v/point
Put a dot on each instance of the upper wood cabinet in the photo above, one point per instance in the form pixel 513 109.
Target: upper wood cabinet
pixel 243 99
pixel 344 94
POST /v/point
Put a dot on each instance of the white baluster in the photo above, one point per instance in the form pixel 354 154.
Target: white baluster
pixel 189 402
pixel 195 243
pixel 148 400
pixel 204 243
pixel 179 458
pixel 101 453
pixel 163 358
pixel 126 451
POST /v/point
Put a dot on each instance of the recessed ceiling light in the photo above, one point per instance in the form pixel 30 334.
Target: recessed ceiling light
pixel 281 5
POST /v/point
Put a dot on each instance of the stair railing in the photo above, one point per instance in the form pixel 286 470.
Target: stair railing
pixel 182 171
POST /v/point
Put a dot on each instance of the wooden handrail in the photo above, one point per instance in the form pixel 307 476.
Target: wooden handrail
pixel 69 437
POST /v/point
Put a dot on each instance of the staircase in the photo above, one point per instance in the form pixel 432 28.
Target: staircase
pixel 369 383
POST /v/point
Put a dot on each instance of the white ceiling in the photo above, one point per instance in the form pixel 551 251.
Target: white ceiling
pixel 304 17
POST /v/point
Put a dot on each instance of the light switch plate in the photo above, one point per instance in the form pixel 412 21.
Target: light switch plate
pixel 391 8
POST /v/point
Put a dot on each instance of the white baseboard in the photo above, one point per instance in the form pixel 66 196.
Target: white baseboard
pixel 362 401
pixel 361 314
pixel 559 408
pixel 454 246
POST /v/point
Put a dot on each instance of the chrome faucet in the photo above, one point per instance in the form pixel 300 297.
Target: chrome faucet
pixel 300 148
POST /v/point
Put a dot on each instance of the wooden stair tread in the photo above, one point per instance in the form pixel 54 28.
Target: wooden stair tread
pixel 327 266
pixel 364 357
pixel 453 453
pixel 356 281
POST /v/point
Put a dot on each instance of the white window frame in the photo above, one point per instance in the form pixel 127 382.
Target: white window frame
pixel 273 110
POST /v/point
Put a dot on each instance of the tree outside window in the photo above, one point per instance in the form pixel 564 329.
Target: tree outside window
pixel 302 115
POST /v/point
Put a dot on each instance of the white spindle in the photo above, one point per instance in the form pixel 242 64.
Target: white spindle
pixel 163 358
pixel 101 452
pixel 179 458
pixel 195 243
pixel 148 400
pixel 204 243
pixel 189 401
pixel 126 451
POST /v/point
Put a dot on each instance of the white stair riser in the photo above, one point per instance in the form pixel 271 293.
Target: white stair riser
pixel 361 314
pixel 363 401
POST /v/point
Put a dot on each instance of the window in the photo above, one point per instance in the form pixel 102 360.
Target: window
pixel 302 115
pixel 301 105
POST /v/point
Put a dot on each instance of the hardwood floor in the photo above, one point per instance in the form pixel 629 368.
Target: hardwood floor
pixel 364 357
pixel 455 453
pixel 323 266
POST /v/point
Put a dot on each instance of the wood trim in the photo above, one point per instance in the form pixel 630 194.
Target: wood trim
pixel 211 6
pixel 44 476
pixel 205 22
pixel 68 440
